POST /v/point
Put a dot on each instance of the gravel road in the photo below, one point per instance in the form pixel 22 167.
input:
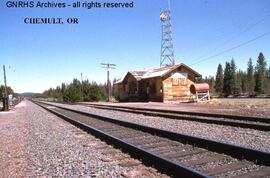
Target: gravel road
pixel 35 143
pixel 241 136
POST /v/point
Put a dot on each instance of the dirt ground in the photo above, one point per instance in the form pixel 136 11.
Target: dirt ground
pixel 243 106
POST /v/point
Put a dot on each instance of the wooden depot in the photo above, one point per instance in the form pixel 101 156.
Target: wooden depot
pixel 165 84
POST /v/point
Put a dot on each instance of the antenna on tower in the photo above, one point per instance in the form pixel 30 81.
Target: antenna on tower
pixel 167 51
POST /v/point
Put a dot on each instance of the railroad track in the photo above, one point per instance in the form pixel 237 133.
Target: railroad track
pixel 174 154
pixel 257 123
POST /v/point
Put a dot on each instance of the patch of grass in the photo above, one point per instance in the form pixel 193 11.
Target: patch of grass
pixel 255 104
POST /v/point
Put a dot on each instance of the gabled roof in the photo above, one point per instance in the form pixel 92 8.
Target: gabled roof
pixel 118 81
pixel 137 74
pixel 161 72
pixel 158 72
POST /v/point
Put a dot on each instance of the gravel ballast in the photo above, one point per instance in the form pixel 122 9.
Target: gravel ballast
pixel 35 143
pixel 250 138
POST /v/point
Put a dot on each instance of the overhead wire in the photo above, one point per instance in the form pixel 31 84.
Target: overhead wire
pixel 237 35
pixel 232 48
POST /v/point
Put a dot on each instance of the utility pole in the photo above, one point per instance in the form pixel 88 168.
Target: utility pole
pixel 82 86
pixel 5 98
pixel 5 80
pixel 108 67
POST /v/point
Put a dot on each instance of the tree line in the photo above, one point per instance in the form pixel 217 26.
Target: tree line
pixel 9 90
pixel 229 81
pixel 255 80
pixel 76 91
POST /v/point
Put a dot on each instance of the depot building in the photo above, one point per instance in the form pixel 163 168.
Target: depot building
pixel 165 84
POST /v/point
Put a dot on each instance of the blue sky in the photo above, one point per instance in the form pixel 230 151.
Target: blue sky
pixel 43 56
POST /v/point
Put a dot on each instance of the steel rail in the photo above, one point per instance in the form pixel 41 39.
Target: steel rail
pixel 239 152
pixel 165 165
pixel 257 123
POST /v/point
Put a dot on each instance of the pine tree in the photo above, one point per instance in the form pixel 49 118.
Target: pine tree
pixel 219 80
pixel 268 81
pixel 260 74
pixel 234 85
pixel 250 78
pixel 227 88
pixel 9 90
pixel 73 91
pixel 211 82
pixel 238 83
pixel 244 82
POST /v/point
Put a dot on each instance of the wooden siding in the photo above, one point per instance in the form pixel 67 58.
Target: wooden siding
pixel 128 89
pixel 155 90
pixel 132 87
pixel 174 86
pixel 177 88
pixel 120 89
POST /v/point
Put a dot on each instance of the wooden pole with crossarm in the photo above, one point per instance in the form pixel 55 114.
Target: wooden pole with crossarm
pixel 108 67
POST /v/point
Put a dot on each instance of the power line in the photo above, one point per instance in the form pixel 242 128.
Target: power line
pixel 232 48
pixel 237 35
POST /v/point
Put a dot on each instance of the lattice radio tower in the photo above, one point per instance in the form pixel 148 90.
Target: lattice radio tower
pixel 167 51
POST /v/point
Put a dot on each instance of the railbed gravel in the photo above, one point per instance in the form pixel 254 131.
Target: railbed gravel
pixel 250 138
pixel 46 146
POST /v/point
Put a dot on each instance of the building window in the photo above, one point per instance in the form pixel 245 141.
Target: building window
pixel 183 78
pixel 175 81
pixel 183 81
